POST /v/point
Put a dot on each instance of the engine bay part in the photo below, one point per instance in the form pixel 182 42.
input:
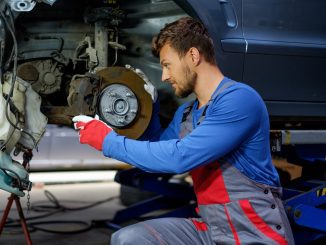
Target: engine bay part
pixel 26 5
pixel 21 5
pixel 44 75
pixel 25 115
pixel 14 177
pixel 8 135
pixel 22 126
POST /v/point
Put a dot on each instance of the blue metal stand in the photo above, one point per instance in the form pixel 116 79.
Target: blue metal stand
pixel 172 199
pixel 306 211
pixel 305 198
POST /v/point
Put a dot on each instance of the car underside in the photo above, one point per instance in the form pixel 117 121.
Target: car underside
pixel 70 53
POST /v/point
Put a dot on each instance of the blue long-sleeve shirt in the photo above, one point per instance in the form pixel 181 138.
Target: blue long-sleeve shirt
pixel 236 127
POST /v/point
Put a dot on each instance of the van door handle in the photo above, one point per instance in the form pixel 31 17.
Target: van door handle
pixel 229 13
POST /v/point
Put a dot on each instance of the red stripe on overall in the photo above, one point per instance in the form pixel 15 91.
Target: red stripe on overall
pixel 259 223
pixel 210 189
pixel 209 184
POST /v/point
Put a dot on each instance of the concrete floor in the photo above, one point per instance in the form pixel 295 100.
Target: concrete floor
pixel 71 195
pixel 72 190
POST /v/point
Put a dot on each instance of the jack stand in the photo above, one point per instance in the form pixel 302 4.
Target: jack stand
pixel 27 157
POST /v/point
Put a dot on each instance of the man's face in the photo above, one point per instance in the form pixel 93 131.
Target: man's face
pixel 177 72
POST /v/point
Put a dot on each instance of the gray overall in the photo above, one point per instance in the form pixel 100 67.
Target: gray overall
pixel 233 208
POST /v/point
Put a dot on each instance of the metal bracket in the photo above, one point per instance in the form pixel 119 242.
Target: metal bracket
pixel 26 5
pixel 292 137
pixel 304 209
pixel 21 5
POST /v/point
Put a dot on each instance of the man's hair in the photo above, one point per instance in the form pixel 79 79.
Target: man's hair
pixel 182 35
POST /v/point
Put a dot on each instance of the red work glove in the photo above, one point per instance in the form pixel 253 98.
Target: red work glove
pixel 91 130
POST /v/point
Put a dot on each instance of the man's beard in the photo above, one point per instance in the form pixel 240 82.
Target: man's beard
pixel 187 85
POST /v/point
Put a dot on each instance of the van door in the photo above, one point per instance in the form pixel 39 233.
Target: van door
pixel 286 54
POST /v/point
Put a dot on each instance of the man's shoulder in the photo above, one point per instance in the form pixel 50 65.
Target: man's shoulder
pixel 238 98
pixel 237 90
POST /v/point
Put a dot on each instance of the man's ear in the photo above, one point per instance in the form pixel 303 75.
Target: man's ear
pixel 194 55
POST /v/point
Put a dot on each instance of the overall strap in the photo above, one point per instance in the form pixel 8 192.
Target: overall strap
pixel 186 122
pixel 187 111
pixel 219 91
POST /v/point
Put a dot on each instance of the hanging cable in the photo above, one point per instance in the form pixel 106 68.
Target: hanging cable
pixel 13 78
pixel 56 208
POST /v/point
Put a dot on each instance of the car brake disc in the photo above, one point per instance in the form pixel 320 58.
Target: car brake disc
pixel 123 102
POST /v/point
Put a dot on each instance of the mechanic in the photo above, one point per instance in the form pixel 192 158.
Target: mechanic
pixel 222 138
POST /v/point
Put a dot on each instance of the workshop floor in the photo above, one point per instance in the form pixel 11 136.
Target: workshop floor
pixel 70 194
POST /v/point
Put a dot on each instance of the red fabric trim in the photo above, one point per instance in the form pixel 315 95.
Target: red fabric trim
pixel 209 184
pixel 234 232
pixel 154 233
pixel 260 224
pixel 200 226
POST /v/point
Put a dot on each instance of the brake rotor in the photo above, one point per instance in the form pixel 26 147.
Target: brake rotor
pixel 123 102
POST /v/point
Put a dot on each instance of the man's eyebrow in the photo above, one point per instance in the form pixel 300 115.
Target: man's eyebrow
pixel 162 61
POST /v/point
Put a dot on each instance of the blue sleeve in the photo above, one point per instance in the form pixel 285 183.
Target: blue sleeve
pixel 155 132
pixel 229 122
pixel 154 129
pixel 173 130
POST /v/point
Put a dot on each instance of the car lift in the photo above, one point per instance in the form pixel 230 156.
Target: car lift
pixel 177 199
pixel 306 211
pixel 304 199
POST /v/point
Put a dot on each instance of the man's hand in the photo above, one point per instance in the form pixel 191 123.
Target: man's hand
pixel 91 130
pixel 148 86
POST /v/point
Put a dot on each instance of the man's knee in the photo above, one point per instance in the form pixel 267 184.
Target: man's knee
pixel 127 235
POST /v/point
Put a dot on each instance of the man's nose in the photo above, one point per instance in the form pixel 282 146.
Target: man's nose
pixel 165 76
